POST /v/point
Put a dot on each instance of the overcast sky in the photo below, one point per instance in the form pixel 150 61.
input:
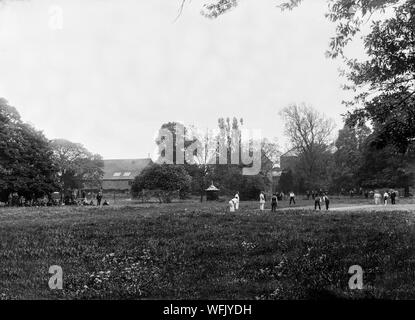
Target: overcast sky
pixel 111 72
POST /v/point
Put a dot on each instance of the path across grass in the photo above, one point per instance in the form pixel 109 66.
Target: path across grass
pixel 356 207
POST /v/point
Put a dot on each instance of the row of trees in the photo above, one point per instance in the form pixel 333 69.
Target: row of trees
pixel 353 160
pixel 33 166
pixel 383 85
pixel 195 166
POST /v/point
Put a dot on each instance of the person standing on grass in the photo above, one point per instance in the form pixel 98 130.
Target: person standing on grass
pixel 237 201
pixel 99 198
pixel 308 195
pixel 317 201
pixel 385 198
pixel 393 197
pixel 292 197
pixel 377 196
pixel 326 201
pixel 232 205
pixel 274 203
pixel 261 201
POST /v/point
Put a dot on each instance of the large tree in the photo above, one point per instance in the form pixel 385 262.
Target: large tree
pixel 26 165
pixel 386 81
pixel 78 168
pixel 309 133
pixel 386 167
pixel 214 156
pixel 348 157
pixel 164 180
pixel 187 147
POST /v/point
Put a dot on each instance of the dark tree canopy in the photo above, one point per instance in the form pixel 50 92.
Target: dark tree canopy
pixel 386 81
pixel 286 183
pixel 348 157
pixel 77 167
pixel 386 167
pixel 165 179
pixel 26 165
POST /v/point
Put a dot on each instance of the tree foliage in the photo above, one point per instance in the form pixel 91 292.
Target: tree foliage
pixel 286 183
pixel 165 179
pixel 386 167
pixel 348 157
pixel 309 133
pixel 386 81
pixel 26 165
pixel 77 167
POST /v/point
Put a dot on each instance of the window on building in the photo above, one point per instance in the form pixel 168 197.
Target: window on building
pixel 117 174
pixel 127 174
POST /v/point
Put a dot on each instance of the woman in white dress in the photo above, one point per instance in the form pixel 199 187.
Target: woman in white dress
pixel 237 201
pixel 232 205
pixel 262 202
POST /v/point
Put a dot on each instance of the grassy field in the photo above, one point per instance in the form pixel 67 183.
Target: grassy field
pixel 198 251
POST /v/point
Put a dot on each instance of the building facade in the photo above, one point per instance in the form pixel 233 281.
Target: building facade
pixel 119 174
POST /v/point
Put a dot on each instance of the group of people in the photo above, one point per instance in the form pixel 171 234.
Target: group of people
pixel 55 199
pixel 99 197
pixel 16 200
pixel 274 200
pixel 319 199
pixel 234 203
pixel 81 199
pixel 392 194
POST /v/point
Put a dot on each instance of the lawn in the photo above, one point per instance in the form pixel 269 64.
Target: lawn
pixel 198 251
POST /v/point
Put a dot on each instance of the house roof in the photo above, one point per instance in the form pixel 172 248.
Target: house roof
pixel 124 169
pixel 212 188
pixel 290 153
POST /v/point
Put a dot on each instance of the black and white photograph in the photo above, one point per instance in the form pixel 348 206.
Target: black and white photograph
pixel 228 151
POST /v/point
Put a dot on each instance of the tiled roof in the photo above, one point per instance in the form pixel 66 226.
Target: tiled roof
pixel 124 169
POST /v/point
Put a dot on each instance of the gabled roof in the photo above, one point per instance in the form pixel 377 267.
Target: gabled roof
pixel 124 169
pixel 290 153
pixel 212 188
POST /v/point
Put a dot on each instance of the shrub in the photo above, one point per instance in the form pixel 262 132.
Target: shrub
pixel 165 179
